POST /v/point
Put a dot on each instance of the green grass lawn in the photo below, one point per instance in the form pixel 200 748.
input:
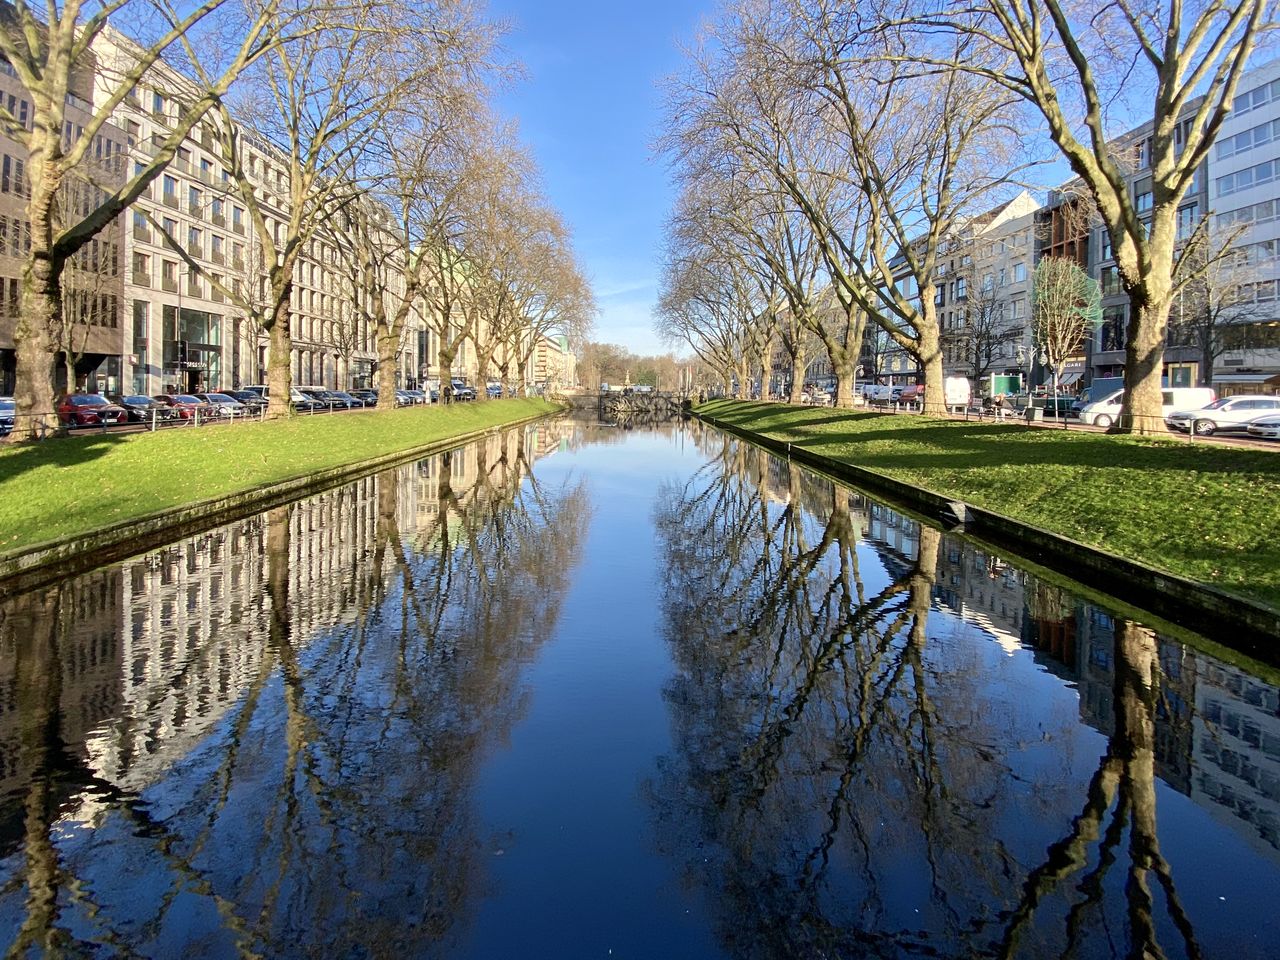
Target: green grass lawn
pixel 61 488
pixel 1202 511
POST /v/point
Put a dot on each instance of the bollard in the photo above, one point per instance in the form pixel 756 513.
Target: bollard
pixel 196 419
pixel 153 421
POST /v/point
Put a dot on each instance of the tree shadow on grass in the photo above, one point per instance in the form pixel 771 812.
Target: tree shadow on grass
pixel 63 452
pixel 997 445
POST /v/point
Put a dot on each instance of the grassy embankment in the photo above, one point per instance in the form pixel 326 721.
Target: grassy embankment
pixel 1202 511
pixel 63 488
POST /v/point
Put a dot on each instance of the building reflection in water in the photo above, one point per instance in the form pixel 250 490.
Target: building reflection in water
pixel 858 772
pixel 263 739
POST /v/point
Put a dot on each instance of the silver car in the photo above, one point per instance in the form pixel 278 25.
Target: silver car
pixel 1265 428
pixel 1227 413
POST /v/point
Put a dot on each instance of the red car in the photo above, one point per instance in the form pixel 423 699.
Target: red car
pixel 184 405
pixel 89 410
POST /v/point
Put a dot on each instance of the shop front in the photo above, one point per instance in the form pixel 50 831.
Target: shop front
pixel 192 350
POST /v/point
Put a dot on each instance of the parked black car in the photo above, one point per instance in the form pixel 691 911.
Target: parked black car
pixel 368 397
pixel 250 398
pixel 141 408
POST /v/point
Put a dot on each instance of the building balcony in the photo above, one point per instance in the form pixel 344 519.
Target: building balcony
pixel 142 233
pixel 216 295
pixel 141 279
pixel 218 220
pixel 171 200
pixel 169 285
pixel 238 228
pixel 195 209
pixel 218 258
pixel 194 290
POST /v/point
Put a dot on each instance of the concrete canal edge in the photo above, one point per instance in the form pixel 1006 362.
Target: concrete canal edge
pixel 1254 626
pixel 35 566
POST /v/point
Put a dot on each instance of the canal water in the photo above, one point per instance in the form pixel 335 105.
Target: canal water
pixel 581 691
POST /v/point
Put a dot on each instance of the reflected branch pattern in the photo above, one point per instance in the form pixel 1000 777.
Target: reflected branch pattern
pixel 849 776
pixel 264 740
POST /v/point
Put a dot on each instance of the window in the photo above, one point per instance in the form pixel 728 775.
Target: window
pixel 961 288
pixel 1249 177
pixel 141 265
pixel 1254 213
pixel 1256 137
pixel 157 102
pixel 217 208
pixel 170 186
pixel 1017 308
pixel 1104 244
pixel 194 241
pixel 1111 333
pixel 170 227
pixel 169 270
pixel 1257 97
pixel 1110 280
pixel 1142 202
pixel 237 217
pixel 1188 220
pixel 1019 272
pixel 193 200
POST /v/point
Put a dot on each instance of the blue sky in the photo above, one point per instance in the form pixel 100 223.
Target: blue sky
pixel 590 109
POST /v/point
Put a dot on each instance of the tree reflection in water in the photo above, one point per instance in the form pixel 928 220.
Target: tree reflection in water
pixel 264 740
pixel 843 782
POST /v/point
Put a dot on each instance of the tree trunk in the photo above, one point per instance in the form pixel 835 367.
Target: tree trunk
pixel 280 359
pixel 797 375
pixel 929 355
pixel 1142 409
pixel 844 386
pixel 388 345
pixel 445 356
pixel 36 354
pixel 744 380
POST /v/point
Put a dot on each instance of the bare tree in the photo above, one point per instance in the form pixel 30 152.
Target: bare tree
pixel 1066 308
pixel 883 163
pixel 1081 67
pixel 49 51
pixel 1215 306
pixel 985 334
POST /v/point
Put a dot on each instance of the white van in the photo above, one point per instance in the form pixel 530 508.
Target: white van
pixel 957 392
pixel 1105 412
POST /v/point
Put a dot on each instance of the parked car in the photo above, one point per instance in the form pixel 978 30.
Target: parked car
pixel 368 397
pixel 494 390
pixel 404 399
pixel 90 410
pixel 1105 411
pixel 8 414
pixel 1226 414
pixel 463 392
pixel 141 408
pixel 330 398
pixel 224 405
pixel 1265 428
pixel 353 403
pixel 250 398
pixel 305 404
pixel 912 396
pixel 416 396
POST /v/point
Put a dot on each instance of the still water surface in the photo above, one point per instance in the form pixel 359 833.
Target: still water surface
pixel 576 691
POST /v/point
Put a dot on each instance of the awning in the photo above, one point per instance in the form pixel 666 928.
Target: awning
pixel 1068 378
pixel 1271 379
